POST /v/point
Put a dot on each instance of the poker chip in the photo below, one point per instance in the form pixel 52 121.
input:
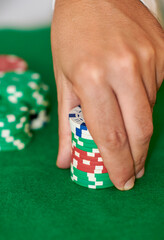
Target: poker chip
pixel 12 63
pixel 77 124
pixel 15 142
pixel 78 152
pixel 27 87
pixel 86 161
pixel 90 184
pixel 86 149
pixel 89 176
pixel 83 142
pixel 40 120
pixel 24 103
pixel 87 167
pixel 13 117
pixel 22 86
pixel 15 131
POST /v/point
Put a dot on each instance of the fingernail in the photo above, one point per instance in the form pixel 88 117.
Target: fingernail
pixel 129 184
pixel 141 173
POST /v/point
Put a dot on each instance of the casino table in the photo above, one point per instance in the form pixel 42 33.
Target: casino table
pixel 39 201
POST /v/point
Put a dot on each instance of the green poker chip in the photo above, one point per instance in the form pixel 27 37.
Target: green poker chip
pixel 13 119
pixel 13 116
pixel 91 180
pixel 25 87
pixel 15 142
pixel 90 184
pixel 84 142
pixel 87 185
pixel 86 149
pixel 19 86
pixel 88 176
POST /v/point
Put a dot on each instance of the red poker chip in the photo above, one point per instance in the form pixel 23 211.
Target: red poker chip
pixel 86 161
pixel 11 63
pixel 89 169
pixel 77 154
pixel 94 166
pixel 85 154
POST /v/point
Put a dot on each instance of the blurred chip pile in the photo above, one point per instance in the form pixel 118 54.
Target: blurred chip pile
pixel 24 103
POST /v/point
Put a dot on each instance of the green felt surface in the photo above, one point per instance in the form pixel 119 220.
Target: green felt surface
pixel 39 201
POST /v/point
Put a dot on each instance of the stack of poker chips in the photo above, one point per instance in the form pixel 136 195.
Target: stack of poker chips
pixel 24 103
pixel 87 167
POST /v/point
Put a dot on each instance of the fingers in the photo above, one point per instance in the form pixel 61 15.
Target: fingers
pixel 66 101
pixel 136 111
pixel 104 121
pixel 160 65
pixel 148 69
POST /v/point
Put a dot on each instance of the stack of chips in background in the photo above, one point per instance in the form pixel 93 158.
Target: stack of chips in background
pixel 24 103
pixel 14 126
pixel 87 168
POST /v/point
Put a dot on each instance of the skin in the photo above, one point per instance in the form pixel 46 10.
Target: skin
pixel 109 57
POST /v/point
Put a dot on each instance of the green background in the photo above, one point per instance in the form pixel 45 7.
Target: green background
pixel 39 201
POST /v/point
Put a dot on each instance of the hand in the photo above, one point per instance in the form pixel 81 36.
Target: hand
pixel 109 57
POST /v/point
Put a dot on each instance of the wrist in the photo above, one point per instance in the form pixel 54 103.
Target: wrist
pixel 155 8
pixel 151 5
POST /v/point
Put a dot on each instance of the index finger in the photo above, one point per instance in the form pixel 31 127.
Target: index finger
pixel 104 121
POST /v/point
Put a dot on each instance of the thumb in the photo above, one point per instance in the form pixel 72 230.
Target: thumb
pixel 66 101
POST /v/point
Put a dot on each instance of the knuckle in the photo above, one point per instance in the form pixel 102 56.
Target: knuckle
pixel 146 131
pixel 161 40
pixel 120 181
pixel 161 72
pixel 88 72
pixel 139 163
pixel 128 62
pixel 148 53
pixel 116 139
pixel 152 96
pixel 123 176
pixel 160 77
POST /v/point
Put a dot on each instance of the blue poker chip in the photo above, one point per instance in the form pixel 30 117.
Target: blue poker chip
pixel 77 123
pixel 76 117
